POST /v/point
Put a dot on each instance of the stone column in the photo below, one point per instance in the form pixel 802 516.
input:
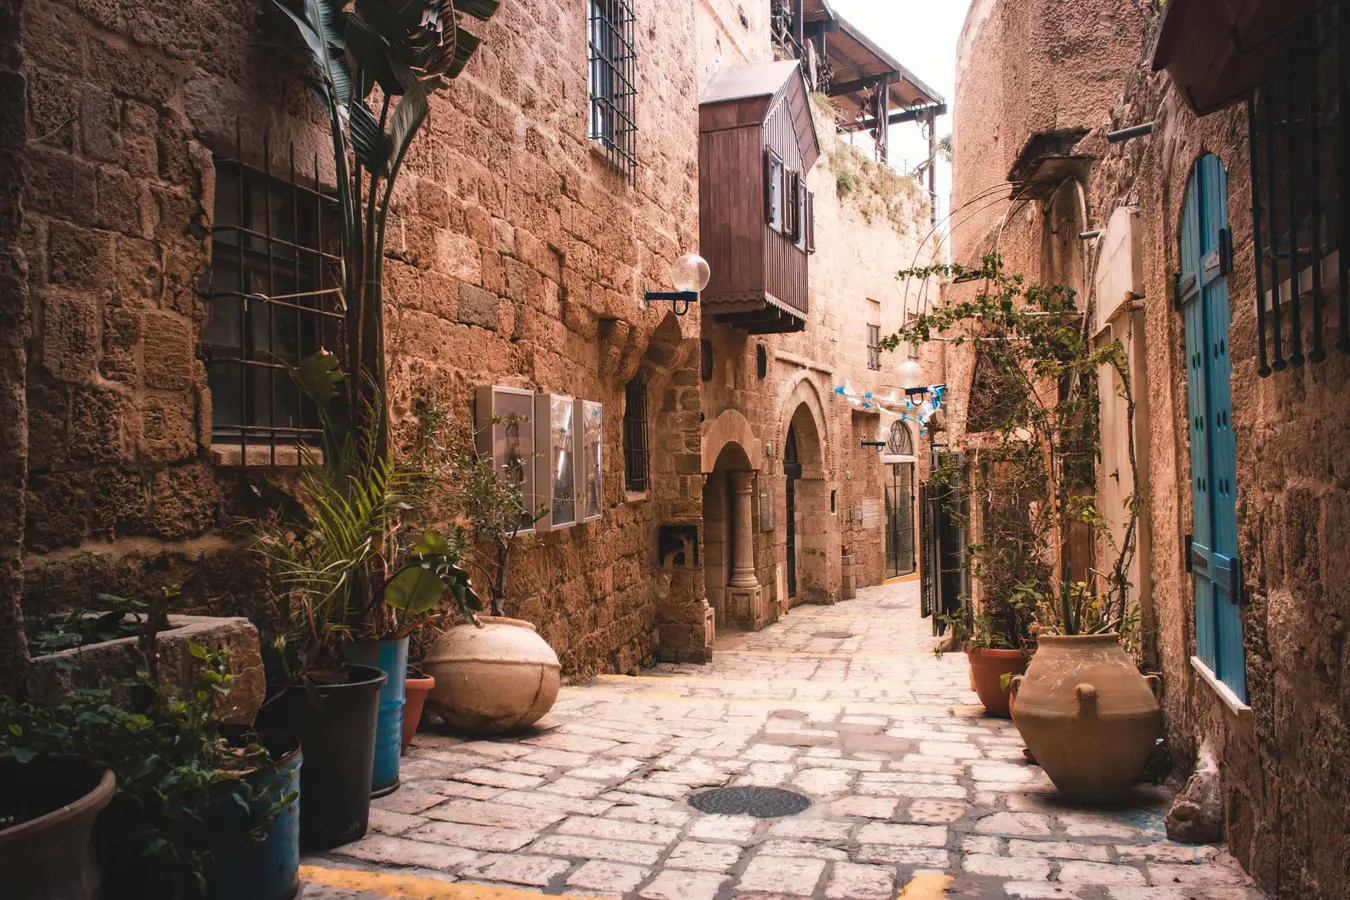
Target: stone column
pixel 743 529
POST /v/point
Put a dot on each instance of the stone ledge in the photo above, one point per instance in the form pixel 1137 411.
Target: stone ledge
pixel 55 675
pixel 1225 693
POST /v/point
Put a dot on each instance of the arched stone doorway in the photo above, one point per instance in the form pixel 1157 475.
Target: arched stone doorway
pixel 807 518
pixel 734 591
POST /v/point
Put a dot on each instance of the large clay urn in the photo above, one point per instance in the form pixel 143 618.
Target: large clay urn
pixel 494 677
pixel 1087 715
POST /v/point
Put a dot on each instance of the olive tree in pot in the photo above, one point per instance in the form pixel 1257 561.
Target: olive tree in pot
pixel 1088 715
pixel 493 674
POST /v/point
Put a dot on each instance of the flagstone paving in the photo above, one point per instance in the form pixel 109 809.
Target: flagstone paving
pixel 913 789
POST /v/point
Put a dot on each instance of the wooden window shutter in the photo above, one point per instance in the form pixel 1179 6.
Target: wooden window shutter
pixel 810 222
pixel 768 186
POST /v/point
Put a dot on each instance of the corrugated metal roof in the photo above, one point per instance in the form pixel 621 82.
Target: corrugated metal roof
pixel 744 82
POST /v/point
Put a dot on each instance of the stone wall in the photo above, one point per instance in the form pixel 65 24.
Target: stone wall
pixel 515 258
pixel 1284 809
pixel 13 345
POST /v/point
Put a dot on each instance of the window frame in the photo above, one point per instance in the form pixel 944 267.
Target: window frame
pixel 777 187
pixel 636 436
pixel 873 347
pixel 612 84
pixel 261 256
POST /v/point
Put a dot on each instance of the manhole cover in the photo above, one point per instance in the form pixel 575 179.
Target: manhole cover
pixel 834 635
pixel 760 802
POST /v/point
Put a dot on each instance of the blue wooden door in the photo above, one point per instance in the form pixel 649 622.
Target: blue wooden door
pixel 1204 304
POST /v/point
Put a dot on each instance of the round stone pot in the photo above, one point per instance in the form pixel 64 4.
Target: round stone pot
pixel 987 668
pixel 48 853
pixel 1087 714
pixel 495 677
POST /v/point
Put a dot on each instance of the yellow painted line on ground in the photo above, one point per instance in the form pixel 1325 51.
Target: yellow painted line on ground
pixel 809 654
pixel 926 886
pixel 901 579
pixel 398 886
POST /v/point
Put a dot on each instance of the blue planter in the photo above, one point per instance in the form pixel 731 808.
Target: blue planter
pixel 391 656
pixel 243 867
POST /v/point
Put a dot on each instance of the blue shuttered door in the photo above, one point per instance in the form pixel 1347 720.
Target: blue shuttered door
pixel 1209 395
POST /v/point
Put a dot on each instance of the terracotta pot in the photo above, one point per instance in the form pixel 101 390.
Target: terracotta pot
pixel 492 678
pixel 417 686
pixel 1087 714
pixel 49 854
pixel 987 668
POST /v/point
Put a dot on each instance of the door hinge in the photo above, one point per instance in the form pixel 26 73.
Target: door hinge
pixel 1186 553
pixel 1180 289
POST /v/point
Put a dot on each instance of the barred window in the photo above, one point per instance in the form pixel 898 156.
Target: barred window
pixel 874 347
pixel 1295 124
pixel 274 300
pixel 636 460
pixel 613 84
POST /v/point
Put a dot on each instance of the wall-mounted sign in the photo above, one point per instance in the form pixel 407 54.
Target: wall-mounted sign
pixel 590 430
pixel 504 429
pixel 766 511
pixel 555 434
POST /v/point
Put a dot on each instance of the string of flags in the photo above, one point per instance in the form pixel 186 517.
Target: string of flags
pixel 893 406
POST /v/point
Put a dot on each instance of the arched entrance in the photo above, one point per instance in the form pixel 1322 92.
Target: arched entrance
pixel 899 461
pixel 733 587
pixel 807 518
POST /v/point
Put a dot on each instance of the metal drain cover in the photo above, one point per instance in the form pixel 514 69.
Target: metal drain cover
pixel 760 802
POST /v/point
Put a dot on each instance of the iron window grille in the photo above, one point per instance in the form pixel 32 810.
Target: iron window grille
pixel 614 85
pixel 1296 132
pixel 874 347
pixel 275 298
pixel 636 457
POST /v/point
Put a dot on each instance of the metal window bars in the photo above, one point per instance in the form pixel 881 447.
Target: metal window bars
pixel 1296 135
pixel 614 84
pixel 274 299
pixel 636 457
pixel 874 347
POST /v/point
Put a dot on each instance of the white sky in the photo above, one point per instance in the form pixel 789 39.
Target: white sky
pixel 922 36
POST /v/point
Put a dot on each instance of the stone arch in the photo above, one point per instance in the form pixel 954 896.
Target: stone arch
pixel 802 391
pixel 731 427
pixel 806 528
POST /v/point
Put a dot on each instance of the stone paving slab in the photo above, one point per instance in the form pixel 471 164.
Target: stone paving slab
pixel 846 704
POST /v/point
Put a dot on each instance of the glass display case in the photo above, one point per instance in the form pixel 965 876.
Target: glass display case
pixel 590 430
pixel 504 428
pixel 556 466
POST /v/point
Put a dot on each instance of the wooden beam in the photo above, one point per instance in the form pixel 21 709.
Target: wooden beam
pixel 908 115
pixel 799 21
pixel 858 84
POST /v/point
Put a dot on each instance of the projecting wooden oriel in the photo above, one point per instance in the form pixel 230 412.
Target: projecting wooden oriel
pixel 756 218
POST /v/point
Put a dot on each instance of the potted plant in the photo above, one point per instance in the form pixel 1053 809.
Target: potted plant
pixel 46 826
pixel 1088 716
pixel 418 685
pixel 493 674
pixel 165 771
pixel 350 583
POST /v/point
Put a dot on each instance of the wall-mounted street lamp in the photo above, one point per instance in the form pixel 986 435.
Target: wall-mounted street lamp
pixel 690 275
pixel 910 374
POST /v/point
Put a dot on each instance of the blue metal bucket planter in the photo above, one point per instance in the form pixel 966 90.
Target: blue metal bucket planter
pixel 391 656
pixel 268 869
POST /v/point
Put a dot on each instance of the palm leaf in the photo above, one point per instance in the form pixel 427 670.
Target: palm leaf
pixel 466 43
pixel 479 9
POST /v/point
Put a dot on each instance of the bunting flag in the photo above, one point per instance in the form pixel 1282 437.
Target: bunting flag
pixel 889 406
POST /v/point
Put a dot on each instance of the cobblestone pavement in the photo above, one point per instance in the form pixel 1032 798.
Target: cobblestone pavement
pixel 914 792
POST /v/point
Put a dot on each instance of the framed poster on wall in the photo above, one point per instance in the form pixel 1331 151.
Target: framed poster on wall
pixel 590 431
pixel 504 429
pixel 556 465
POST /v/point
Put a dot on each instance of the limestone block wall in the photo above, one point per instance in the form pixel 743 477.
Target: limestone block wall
pixel 1284 809
pixel 516 258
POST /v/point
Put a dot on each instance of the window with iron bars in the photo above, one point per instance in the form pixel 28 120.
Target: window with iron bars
pixel 614 84
pixel 274 300
pixel 636 459
pixel 1295 125
pixel 874 347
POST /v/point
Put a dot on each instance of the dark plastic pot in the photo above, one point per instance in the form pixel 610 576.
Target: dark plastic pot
pixel 48 853
pixel 336 725
pixel 391 657
pixel 268 869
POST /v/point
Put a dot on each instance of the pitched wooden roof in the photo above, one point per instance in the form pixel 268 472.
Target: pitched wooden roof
pixel 738 96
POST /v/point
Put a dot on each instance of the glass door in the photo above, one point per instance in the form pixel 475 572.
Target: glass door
pixel 900 520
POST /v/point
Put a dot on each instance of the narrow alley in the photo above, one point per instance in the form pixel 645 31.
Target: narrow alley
pixel 913 791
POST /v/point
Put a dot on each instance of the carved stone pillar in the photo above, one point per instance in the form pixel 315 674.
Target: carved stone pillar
pixel 742 529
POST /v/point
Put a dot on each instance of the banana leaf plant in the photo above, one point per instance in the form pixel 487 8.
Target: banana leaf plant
pixel 344 562
pixel 374 66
